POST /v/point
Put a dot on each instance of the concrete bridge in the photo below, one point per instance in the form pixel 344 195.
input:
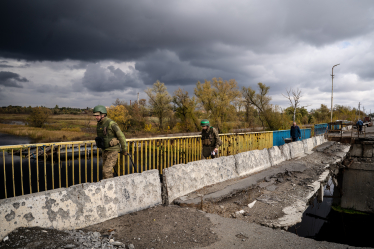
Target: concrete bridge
pixel 243 200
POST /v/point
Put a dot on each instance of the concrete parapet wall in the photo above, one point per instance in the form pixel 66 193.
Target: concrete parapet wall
pixel 276 156
pixel 319 140
pixel 315 142
pixel 296 148
pixel 252 161
pixel 182 179
pixel 308 144
pixel 81 205
pixel 286 151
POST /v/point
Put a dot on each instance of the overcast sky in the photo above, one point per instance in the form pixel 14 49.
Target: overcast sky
pixel 84 53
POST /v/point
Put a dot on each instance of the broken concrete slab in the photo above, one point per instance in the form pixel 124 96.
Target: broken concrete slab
pixel 322 147
pixel 294 213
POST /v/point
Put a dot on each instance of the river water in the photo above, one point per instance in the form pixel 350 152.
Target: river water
pixel 6 139
pixel 326 221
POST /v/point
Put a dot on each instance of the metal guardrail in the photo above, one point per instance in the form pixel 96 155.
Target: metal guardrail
pixel 46 166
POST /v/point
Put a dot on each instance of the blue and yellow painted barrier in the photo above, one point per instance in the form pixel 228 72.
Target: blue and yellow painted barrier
pixel 279 136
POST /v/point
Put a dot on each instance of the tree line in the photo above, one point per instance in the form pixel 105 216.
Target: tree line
pixel 227 106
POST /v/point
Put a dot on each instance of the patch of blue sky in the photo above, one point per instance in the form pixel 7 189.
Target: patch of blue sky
pixel 345 44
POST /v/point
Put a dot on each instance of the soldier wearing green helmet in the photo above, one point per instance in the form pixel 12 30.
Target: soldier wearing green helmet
pixel 109 138
pixel 210 140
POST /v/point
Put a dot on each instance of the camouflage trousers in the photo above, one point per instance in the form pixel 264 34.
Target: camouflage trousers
pixel 207 152
pixel 110 159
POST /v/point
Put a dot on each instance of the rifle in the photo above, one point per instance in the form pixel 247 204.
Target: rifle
pixel 132 163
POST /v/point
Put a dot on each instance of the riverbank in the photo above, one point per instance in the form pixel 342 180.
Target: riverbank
pixel 44 135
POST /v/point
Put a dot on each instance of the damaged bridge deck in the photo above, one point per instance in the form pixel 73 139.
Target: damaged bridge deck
pixel 275 197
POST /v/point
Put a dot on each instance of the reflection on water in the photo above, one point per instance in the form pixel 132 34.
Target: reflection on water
pixel 6 139
pixel 327 222
pixel 13 122
pixel 63 174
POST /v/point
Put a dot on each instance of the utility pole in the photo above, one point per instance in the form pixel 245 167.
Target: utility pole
pixel 359 111
pixel 363 110
pixel 138 98
pixel 332 88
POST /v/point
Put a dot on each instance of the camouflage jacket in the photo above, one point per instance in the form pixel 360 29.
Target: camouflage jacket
pixel 210 138
pixel 109 128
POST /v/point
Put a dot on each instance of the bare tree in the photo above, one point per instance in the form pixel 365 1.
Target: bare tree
pixel 294 97
pixel 261 102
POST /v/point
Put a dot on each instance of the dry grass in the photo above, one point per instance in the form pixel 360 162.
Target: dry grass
pixel 43 135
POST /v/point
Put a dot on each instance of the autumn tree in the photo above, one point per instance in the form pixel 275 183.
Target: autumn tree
pixel 321 114
pixel 120 115
pixel 217 97
pixel 39 116
pixel 261 101
pixel 185 110
pixel 159 100
pixel 300 114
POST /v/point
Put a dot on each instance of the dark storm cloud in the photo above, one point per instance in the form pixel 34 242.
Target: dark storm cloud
pixel 100 79
pixel 80 65
pixel 127 30
pixel 10 79
pixel 182 42
pixel 5 66
pixel 167 67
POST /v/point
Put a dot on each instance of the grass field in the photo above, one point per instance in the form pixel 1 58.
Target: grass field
pixel 59 128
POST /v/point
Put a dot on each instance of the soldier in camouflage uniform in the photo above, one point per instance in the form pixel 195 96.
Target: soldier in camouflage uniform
pixel 109 138
pixel 210 140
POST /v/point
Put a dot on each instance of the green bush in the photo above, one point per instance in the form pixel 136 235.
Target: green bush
pixel 38 117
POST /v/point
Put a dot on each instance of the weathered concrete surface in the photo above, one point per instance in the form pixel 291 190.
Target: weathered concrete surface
pixel 358 187
pixel 284 189
pixel 324 146
pixel 248 182
pixel 356 150
pixel 233 233
pixel 286 151
pixel 276 155
pixel 182 179
pixel 294 213
pixel 367 150
pixel 252 161
pixel 81 205
pixel 297 149
pixel 320 139
pixel 308 145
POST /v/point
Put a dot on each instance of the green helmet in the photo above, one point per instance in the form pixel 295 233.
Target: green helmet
pixel 99 109
pixel 205 122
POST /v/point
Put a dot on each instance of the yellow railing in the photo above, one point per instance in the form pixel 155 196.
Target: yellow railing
pixel 68 163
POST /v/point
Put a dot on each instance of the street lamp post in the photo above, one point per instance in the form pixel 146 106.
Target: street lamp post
pixel 332 88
